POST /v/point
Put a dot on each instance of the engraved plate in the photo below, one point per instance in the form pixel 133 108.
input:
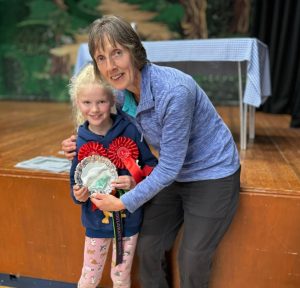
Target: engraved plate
pixel 96 173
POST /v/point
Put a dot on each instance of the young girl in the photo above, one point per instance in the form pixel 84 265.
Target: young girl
pixel 92 103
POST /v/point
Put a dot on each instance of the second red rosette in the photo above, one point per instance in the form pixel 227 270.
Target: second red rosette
pixel 123 152
pixel 120 149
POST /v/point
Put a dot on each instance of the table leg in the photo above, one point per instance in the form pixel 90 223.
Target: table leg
pixel 243 112
pixel 251 122
pixel 245 126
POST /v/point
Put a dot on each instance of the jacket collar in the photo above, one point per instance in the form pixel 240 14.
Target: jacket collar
pixel 147 98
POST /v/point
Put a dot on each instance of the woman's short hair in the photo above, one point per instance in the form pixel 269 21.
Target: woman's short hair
pixel 116 30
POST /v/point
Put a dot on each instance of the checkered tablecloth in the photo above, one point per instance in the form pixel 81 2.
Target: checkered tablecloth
pixel 258 84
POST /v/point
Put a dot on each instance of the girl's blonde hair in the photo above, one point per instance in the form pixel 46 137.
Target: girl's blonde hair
pixel 86 76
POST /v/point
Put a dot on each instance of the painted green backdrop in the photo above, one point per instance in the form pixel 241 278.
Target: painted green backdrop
pixel 30 28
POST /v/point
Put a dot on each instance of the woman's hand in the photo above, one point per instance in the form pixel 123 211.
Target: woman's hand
pixel 69 147
pixel 81 194
pixel 107 202
pixel 123 182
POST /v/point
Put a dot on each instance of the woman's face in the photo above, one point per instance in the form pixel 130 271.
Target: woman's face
pixel 116 66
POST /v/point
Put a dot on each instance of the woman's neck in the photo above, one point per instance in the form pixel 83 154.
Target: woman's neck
pixel 135 89
pixel 136 98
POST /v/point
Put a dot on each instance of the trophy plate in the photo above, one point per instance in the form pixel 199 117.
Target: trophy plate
pixel 96 173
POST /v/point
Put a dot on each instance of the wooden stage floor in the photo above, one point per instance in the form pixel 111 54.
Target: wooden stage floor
pixel 270 172
pixel 270 164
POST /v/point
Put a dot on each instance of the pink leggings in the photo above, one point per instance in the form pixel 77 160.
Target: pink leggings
pixel 95 253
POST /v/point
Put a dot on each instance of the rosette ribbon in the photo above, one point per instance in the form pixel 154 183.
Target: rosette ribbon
pixel 91 148
pixel 123 152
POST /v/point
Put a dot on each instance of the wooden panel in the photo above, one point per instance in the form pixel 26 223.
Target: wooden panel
pixel 41 232
pixel 41 236
pixel 262 247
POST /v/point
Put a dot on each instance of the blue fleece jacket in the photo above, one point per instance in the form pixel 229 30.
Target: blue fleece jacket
pixel 177 118
pixel 92 220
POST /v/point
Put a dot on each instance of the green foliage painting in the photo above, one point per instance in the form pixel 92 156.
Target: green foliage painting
pixel 29 30
pixel 32 32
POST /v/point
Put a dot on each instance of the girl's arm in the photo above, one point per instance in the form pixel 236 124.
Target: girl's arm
pixel 79 195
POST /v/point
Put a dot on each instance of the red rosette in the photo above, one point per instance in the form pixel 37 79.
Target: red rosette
pixel 91 148
pixel 121 150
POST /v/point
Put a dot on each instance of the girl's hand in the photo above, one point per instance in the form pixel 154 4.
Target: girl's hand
pixel 81 194
pixel 69 147
pixel 107 202
pixel 123 182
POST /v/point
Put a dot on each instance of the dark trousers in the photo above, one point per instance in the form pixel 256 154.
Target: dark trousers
pixel 206 208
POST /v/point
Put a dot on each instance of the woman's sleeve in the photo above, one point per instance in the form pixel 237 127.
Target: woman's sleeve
pixel 176 126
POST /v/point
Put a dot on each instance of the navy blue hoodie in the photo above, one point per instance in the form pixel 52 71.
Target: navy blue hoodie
pixel 92 220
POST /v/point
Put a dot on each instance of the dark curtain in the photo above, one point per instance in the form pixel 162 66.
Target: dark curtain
pixel 277 24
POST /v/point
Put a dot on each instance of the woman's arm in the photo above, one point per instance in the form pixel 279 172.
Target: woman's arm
pixel 177 122
pixel 112 203
pixel 69 147
pixel 107 202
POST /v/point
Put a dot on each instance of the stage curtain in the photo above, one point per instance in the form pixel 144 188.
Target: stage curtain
pixel 277 23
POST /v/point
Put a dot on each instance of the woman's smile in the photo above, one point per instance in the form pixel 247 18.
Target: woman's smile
pixel 117 77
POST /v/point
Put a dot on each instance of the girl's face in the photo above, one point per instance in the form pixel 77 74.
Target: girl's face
pixel 95 106
pixel 116 66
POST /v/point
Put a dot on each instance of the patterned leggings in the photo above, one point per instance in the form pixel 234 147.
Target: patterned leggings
pixel 95 253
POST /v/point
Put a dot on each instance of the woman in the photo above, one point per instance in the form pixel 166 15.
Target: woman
pixel 197 179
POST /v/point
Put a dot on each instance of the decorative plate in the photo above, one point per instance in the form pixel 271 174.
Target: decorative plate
pixel 96 173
